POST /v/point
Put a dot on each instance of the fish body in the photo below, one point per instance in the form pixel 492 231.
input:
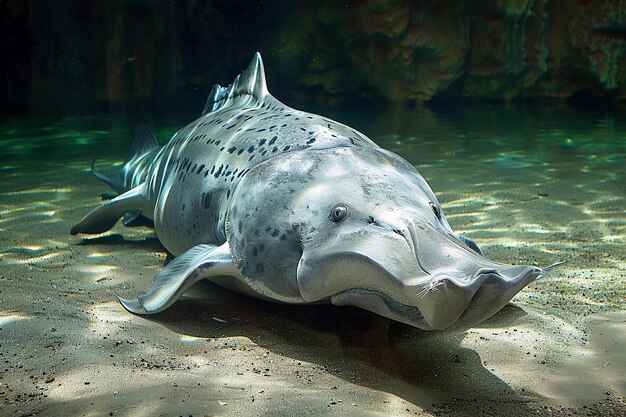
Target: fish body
pixel 294 207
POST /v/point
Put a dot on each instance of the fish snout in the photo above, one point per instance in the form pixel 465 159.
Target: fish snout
pixel 448 300
pixel 498 288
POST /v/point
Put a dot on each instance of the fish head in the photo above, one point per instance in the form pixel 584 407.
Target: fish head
pixel 361 227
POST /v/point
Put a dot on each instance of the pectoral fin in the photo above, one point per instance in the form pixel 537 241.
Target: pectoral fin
pixel 199 262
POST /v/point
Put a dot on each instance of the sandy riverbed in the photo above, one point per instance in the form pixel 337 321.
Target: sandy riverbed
pixel 68 348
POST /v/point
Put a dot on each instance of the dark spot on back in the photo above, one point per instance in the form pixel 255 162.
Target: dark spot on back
pixel 206 200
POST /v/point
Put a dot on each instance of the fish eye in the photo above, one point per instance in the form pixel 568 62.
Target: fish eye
pixel 338 213
pixel 436 210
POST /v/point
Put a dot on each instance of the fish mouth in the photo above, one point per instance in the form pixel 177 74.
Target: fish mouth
pixel 383 304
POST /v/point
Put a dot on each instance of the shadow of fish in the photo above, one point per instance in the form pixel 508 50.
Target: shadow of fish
pixel 293 207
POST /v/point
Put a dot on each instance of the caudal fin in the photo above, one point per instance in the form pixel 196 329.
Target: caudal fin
pixel 144 142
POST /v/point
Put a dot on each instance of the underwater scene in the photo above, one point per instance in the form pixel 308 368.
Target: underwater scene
pixel 245 256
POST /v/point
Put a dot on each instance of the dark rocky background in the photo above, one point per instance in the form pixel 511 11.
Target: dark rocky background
pixel 88 55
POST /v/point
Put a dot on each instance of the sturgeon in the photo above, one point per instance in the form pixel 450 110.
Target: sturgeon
pixel 293 207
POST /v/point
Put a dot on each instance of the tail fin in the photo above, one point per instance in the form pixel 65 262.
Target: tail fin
pixel 144 142
pixel 114 183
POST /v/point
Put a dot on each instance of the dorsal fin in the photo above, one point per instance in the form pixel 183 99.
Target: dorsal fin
pixel 250 84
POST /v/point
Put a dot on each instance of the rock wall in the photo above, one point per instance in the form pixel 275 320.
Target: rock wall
pixel 399 50
pixel 503 49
